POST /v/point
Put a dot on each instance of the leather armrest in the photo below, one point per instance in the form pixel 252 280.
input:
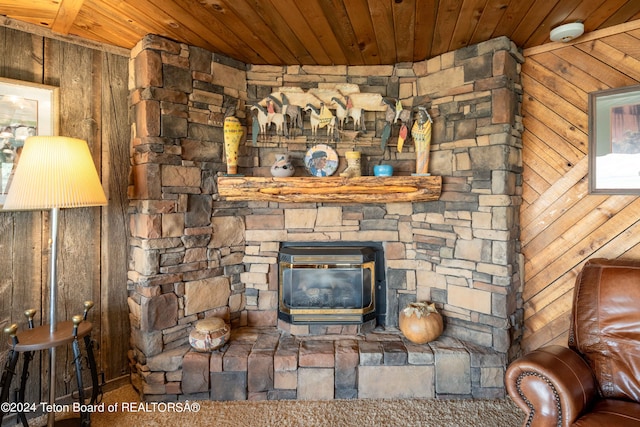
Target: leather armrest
pixel 552 385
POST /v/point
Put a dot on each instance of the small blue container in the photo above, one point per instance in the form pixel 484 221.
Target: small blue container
pixel 383 170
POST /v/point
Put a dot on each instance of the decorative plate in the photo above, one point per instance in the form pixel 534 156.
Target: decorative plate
pixel 321 160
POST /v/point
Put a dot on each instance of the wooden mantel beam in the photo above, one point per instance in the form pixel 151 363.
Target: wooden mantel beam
pixel 366 189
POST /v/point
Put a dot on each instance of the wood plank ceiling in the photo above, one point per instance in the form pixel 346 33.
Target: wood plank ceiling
pixel 320 32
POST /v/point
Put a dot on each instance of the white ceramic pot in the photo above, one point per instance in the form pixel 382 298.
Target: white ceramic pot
pixel 282 167
pixel 209 334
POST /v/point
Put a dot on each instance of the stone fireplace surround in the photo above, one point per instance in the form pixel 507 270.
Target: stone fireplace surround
pixel 194 255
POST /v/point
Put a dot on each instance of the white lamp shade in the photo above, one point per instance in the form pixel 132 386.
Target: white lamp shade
pixel 54 172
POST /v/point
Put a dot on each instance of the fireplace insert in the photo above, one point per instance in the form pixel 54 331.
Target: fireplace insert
pixel 328 284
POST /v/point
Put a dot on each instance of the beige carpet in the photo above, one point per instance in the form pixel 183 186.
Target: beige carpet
pixel 285 413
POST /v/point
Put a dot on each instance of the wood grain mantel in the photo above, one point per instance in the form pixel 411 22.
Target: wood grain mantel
pixel 365 189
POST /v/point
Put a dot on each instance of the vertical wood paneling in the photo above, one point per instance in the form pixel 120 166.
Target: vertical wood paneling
pixel 115 179
pixel 22 242
pixel 92 257
pixel 562 224
pixel 79 238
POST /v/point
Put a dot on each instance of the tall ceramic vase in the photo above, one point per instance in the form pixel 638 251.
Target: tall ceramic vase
pixel 232 136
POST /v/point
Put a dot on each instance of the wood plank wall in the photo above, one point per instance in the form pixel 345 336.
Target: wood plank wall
pixel 92 260
pixel 562 224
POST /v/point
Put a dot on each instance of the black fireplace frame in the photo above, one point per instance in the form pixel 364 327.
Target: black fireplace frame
pixel 380 284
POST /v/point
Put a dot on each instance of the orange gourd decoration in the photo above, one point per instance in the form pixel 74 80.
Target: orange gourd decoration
pixel 420 322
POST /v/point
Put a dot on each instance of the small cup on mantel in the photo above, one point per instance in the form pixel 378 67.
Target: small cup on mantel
pixel 383 170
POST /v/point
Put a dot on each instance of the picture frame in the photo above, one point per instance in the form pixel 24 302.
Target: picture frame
pixel 26 109
pixel 614 141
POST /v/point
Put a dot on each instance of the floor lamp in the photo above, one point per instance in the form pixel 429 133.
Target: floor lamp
pixel 54 172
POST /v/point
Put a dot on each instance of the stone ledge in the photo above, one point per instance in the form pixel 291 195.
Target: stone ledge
pixel 269 364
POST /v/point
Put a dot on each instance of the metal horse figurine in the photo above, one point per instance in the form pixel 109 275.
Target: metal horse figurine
pixel 357 114
pixel 320 118
pixel 265 118
pixel 294 112
pixel 344 111
pixel 341 111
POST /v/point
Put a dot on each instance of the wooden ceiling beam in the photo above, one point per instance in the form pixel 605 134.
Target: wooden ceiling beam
pixel 67 13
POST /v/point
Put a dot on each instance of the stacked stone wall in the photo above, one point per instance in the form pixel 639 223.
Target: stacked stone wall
pixel 461 252
pixel 186 259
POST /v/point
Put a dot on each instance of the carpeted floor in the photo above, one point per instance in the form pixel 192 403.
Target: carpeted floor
pixel 291 413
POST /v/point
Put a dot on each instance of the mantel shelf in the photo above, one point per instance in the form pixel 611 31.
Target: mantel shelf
pixel 365 189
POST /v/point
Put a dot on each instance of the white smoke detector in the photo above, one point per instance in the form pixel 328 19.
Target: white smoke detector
pixel 567 32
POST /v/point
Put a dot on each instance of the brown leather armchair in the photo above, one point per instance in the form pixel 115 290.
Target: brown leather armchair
pixel 596 381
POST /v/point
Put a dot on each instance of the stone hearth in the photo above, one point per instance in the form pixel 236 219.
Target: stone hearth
pixel 266 364
pixel 194 255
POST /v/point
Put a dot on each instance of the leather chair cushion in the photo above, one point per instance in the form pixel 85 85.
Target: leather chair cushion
pixel 609 412
pixel 605 326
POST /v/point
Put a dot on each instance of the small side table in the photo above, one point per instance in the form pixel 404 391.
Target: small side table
pixel 40 338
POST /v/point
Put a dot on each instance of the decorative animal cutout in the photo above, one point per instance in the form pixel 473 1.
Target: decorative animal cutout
pixel 357 114
pixel 345 99
pixel 293 112
pixel 344 110
pixel 341 111
pixel 265 119
pixel 321 117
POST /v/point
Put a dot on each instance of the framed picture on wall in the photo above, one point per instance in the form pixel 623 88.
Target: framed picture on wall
pixel 26 109
pixel 614 141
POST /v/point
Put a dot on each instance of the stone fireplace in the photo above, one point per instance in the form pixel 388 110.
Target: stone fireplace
pixel 196 255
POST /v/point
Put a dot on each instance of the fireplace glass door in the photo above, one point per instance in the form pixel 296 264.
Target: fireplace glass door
pixel 327 285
